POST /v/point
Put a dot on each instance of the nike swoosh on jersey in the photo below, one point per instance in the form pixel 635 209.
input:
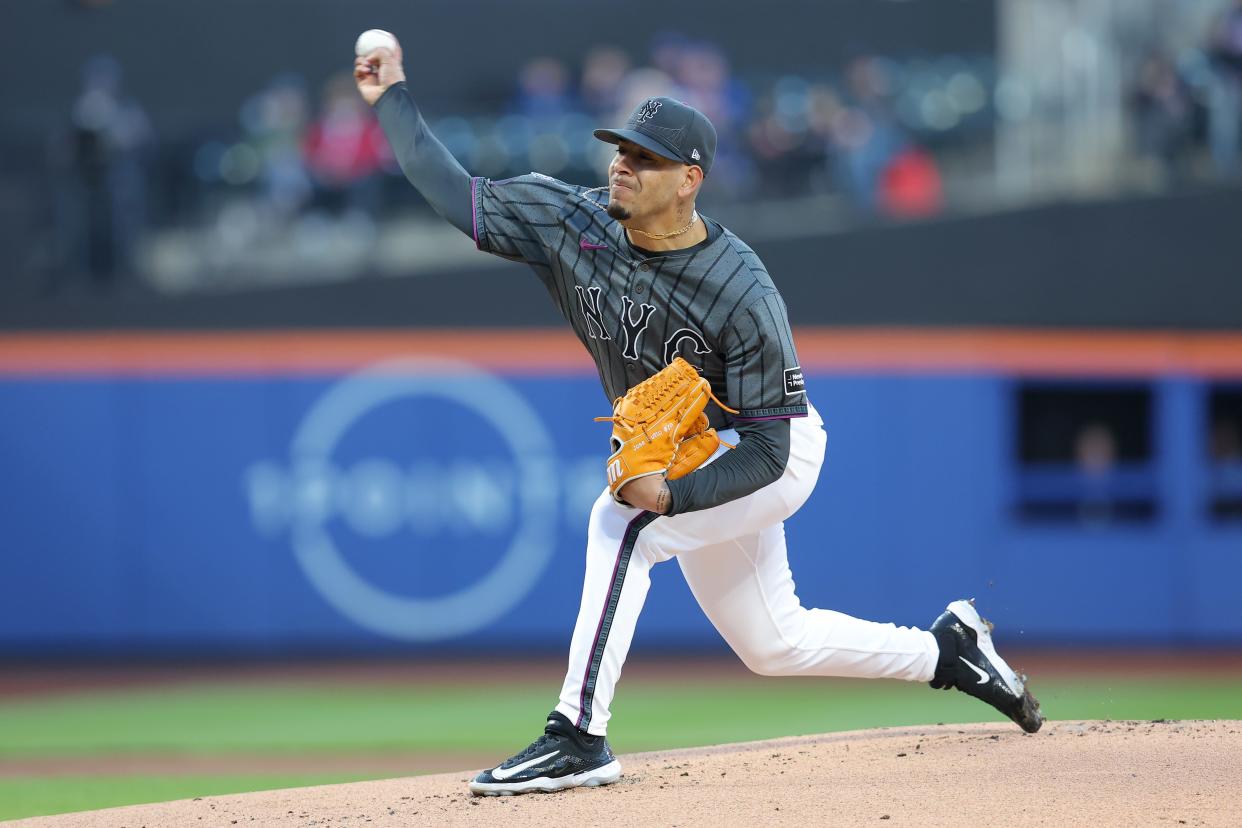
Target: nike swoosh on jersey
pixel 505 773
pixel 983 677
pixel 587 244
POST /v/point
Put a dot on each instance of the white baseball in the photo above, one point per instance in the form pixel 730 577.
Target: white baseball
pixel 373 39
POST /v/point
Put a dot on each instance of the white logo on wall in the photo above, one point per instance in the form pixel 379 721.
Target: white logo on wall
pixel 378 498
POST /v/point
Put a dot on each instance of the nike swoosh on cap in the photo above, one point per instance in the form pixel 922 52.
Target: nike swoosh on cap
pixel 505 773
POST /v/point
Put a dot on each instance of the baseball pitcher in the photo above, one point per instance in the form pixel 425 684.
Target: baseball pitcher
pixel 714 442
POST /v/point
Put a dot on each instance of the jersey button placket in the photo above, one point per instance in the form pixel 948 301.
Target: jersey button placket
pixel 644 267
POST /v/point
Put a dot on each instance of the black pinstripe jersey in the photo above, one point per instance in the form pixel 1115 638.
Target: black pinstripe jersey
pixel 714 304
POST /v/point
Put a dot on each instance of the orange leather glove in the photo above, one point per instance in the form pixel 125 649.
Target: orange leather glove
pixel 659 427
pixel 699 444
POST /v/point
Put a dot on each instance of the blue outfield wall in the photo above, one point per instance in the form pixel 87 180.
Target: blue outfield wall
pixel 421 511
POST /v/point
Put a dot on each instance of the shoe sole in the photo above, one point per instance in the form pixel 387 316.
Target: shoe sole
pixel 1029 717
pixel 603 775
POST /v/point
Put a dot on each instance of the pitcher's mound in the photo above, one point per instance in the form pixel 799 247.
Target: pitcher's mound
pixel 1071 773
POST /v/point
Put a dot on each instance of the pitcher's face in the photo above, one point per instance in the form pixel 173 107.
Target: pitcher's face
pixel 641 183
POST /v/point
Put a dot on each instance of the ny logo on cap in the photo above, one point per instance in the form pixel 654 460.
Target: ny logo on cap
pixel 647 111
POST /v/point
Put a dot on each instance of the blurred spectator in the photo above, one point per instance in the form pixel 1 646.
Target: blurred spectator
pixel 910 186
pixel 1095 450
pixel 603 75
pixel 1095 456
pixel 1225 121
pixel 702 74
pixel 275 120
pixel 667 48
pixel 345 149
pixel 865 136
pixel 1225 456
pixel 543 89
pixel 99 170
pixel 1165 113
pixel 788 139
pixel 641 83
pixel 706 84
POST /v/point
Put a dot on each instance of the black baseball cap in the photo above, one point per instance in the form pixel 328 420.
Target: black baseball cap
pixel 670 129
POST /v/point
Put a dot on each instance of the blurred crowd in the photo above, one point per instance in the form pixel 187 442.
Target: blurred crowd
pixel 307 169
pixel 1191 99
pixel 313 164
pixel 862 131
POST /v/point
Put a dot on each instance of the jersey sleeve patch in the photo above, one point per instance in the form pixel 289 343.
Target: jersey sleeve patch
pixel 794 381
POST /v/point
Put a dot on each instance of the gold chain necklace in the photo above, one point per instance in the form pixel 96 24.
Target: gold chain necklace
pixel 694 216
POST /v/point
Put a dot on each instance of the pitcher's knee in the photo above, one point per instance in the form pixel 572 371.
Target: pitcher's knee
pixel 770 660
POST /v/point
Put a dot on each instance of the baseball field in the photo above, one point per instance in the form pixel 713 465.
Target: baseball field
pixel 82 739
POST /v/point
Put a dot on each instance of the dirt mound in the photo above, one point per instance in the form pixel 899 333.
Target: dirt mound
pixel 1075 773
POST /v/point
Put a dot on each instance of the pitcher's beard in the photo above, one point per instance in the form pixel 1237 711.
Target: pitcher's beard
pixel 618 212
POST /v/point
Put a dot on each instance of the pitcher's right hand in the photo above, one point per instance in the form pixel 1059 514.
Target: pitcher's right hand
pixel 375 71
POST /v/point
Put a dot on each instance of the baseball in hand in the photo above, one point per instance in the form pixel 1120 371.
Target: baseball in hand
pixel 373 39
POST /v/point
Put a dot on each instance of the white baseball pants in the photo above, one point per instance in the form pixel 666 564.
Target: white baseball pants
pixel 733 557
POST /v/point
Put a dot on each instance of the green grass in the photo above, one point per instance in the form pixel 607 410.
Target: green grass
pixel 27 796
pixel 280 720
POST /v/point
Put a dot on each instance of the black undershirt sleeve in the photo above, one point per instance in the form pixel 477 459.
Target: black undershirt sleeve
pixel 760 458
pixel 428 165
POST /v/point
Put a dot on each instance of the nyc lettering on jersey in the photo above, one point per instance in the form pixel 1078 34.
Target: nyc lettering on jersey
pixel 727 318
pixel 634 320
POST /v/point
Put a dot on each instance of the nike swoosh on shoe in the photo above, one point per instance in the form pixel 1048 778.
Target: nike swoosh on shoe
pixel 505 773
pixel 983 677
